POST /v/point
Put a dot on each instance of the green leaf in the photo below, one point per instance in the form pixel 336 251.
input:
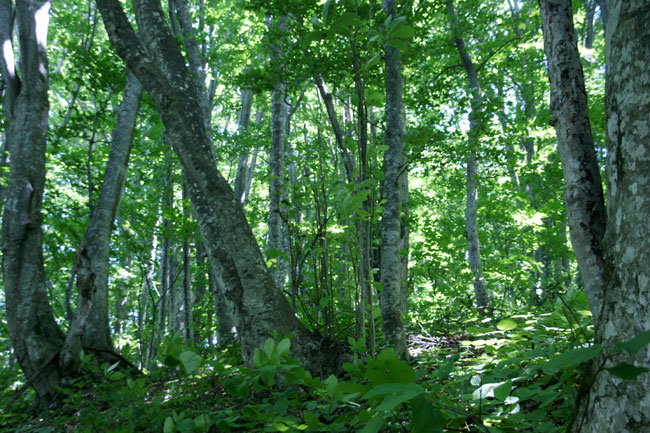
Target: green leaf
pixel 312 420
pixel 571 358
pixel 328 11
pixel 394 388
pixel 404 32
pixel 269 347
pixel 249 411
pixel 502 391
pixel 202 422
pixel 398 43
pixel 267 374
pixel 627 371
pixel 445 369
pixel 374 424
pixel 284 346
pixel 260 359
pixel 372 61
pixel 425 416
pixel 506 325
pixel 191 361
pixel 634 345
pixel 169 426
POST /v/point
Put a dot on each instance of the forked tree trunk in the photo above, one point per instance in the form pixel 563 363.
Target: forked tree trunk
pixel 34 334
pixel 614 404
pixel 159 65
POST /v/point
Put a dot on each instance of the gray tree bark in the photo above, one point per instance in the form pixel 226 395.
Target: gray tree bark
pixel 583 194
pixel 157 62
pixel 34 334
pixel 613 404
pixel 91 316
pixel 395 185
pixel 243 164
pixel 471 211
pixel 276 185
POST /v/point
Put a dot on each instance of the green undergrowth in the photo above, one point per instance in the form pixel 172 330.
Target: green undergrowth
pixel 517 373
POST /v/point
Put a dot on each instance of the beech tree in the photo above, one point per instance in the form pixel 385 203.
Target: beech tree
pixel 156 60
pixel 612 249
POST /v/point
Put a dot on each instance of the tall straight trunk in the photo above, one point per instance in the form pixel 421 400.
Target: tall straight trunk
pixel 35 336
pixel 243 164
pixel 186 283
pixel 276 184
pixel 261 307
pixel 90 321
pixel 613 404
pixel 583 193
pixel 472 185
pixel 393 300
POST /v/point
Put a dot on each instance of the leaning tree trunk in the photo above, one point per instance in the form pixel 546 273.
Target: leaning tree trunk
pixel 91 315
pixel 34 334
pixel 471 211
pixel 613 404
pixel 158 63
pixel 583 193
pixel 393 300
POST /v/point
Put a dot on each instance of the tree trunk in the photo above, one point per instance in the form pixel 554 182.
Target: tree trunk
pixel 243 166
pixel 471 211
pixel 93 254
pixel 583 194
pixel 276 161
pixel 393 299
pixel 222 222
pixel 613 404
pixel 34 334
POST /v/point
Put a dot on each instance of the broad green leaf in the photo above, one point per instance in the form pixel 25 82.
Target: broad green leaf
pixel 250 412
pixel 267 374
pixel 425 416
pixel 404 32
pixel 260 359
pixel 394 388
pixel 284 346
pixel 202 422
pixel 374 424
pixel 571 358
pixel 269 347
pixel 627 371
pixel 169 426
pixel 372 61
pixel 506 325
pixel 312 420
pixel 328 11
pixel 502 391
pixel 634 345
pixel 191 361
pixel 398 43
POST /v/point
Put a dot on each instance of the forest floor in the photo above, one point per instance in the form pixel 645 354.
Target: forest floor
pixel 497 377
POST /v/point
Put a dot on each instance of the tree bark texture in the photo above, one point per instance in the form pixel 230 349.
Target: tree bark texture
pixel 91 315
pixel 614 404
pixel 243 165
pixel 583 193
pixel 392 298
pixel 35 336
pixel 472 185
pixel 159 65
